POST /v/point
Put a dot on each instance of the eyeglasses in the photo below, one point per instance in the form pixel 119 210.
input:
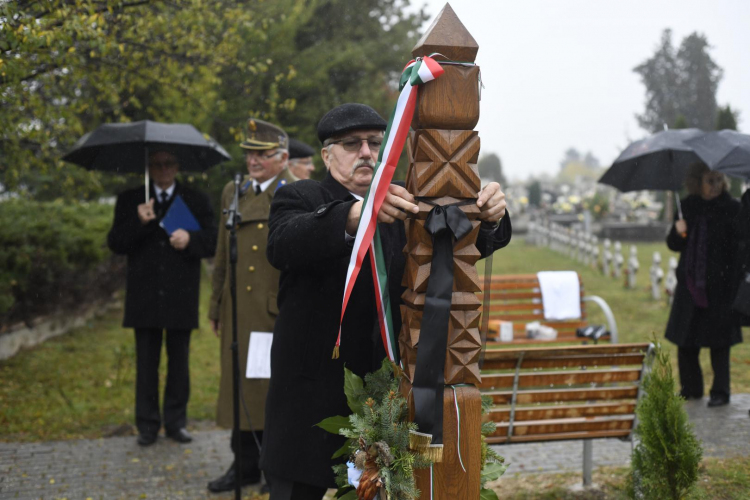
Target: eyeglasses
pixel 713 181
pixel 260 157
pixel 163 164
pixel 352 144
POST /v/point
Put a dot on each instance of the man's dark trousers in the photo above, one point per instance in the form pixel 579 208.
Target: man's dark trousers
pixel 148 343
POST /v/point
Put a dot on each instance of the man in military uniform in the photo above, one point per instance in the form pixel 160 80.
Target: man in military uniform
pixel 266 155
pixel 300 159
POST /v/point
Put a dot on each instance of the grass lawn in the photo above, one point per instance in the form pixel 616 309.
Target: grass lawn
pixel 82 384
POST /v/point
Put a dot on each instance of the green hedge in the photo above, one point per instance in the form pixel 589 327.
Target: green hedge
pixel 54 256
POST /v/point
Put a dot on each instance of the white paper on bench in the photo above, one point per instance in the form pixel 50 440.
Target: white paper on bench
pixel 259 355
pixel 561 294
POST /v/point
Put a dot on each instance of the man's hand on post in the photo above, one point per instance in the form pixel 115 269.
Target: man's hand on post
pixel 396 203
pixel 146 212
pixel 179 239
pixel 491 202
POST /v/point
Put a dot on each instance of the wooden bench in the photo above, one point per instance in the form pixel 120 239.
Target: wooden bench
pixel 563 393
pixel 517 298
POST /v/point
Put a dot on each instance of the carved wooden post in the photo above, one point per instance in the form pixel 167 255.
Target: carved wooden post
pixel 443 150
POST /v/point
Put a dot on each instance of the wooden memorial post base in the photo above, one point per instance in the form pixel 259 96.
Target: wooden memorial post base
pixel 443 150
pixel 456 477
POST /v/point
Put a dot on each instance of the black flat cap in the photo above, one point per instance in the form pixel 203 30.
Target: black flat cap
pixel 298 149
pixel 348 117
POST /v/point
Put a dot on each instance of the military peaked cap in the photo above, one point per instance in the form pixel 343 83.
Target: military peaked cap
pixel 348 117
pixel 263 135
pixel 298 149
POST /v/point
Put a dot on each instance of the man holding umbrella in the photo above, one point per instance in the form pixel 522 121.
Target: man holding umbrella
pixel 163 283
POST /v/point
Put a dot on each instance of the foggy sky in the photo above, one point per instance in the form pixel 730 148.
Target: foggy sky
pixel 559 73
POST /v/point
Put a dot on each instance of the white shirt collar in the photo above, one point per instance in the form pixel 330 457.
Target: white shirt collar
pixel 264 185
pixel 169 191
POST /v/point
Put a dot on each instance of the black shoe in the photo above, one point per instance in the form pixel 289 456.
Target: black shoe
pixel 146 439
pixel 180 435
pixel 718 401
pixel 226 482
pixel 687 396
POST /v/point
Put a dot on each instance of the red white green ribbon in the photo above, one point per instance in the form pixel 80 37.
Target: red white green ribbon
pixel 416 72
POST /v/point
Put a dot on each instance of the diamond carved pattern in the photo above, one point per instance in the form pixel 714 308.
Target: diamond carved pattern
pixel 464 348
pixel 443 163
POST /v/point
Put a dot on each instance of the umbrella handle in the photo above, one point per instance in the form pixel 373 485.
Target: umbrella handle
pixel 679 210
pixel 146 168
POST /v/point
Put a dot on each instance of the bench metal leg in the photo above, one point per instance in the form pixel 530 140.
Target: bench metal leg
pixel 588 461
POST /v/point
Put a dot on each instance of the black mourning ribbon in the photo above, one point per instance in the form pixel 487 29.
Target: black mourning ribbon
pixel 446 224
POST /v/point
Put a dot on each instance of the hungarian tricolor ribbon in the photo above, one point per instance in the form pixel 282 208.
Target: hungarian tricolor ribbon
pixel 418 71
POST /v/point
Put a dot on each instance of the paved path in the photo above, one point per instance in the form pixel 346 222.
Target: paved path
pixel 117 468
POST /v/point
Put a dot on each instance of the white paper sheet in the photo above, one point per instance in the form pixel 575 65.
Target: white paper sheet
pixel 259 355
pixel 506 331
pixel 561 294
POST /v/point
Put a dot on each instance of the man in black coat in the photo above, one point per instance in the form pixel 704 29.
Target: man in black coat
pixel 162 291
pixel 311 229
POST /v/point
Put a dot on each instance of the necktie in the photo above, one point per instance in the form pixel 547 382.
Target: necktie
pixel 257 189
pixel 159 209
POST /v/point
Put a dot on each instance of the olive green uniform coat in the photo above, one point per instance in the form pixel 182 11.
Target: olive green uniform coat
pixel 257 286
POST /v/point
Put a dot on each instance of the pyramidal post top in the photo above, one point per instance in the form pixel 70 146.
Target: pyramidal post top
pixel 448 36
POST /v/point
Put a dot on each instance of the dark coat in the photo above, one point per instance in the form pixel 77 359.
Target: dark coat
pixel 742 230
pixel 307 243
pixel 163 284
pixel 716 325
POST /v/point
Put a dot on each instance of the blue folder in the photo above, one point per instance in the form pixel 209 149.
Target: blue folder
pixel 179 216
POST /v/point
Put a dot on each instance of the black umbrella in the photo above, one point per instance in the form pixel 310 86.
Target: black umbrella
pixel 727 151
pixel 658 162
pixel 124 147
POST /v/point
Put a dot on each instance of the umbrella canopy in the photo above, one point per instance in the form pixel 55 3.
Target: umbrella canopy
pixel 658 162
pixel 124 147
pixel 727 151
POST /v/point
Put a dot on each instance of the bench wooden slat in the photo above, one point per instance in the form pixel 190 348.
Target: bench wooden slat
pixel 539 352
pixel 522 340
pixel 562 436
pixel 543 427
pixel 518 306
pixel 570 328
pixel 513 285
pixel 582 360
pixel 552 395
pixel 529 317
pixel 502 414
pixel 506 296
pixel 572 377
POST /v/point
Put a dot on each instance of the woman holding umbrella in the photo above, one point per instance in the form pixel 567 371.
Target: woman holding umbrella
pixel 742 228
pixel 701 313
